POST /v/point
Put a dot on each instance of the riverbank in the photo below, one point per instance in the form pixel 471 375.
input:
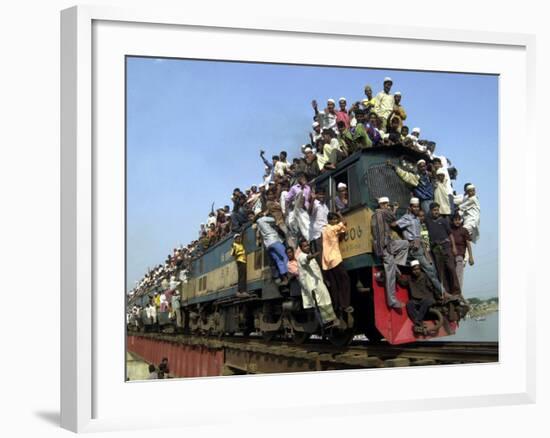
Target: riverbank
pixel 481 308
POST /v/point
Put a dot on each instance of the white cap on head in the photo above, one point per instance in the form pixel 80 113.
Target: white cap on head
pixel 383 199
pixel 397 93
pixel 341 186
pixel 421 161
pixel 388 79
pixel 315 124
pixel 415 263
pixel 440 171
pixel 414 201
pixel 470 186
pixel 417 130
pixel 306 150
pixel 342 99
pixel 330 101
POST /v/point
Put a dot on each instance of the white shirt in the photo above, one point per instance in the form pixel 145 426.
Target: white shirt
pixel 319 213
pixel 281 167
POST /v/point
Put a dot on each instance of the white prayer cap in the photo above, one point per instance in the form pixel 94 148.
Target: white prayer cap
pixel 342 99
pixel 306 150
pixel 271 182
pixel 414 201
pixel 303 147
pixel 417 130
pixel 331 101
pixel 470 186
pixel 315 124
pixel 440 171
pixel 415 263
pixel 383 199
pixel 397 93
pixel 342 186
pixel 388 79
pixel 236 235
pixel 421 161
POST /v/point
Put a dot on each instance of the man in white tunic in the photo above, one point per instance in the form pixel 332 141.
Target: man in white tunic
pixel 314 290
pixel 470 209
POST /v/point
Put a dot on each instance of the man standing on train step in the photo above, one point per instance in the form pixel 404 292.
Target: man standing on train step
pixel 335 273
pixel 393 252
pixel 239 253
pixel 410 225
pixel 443 249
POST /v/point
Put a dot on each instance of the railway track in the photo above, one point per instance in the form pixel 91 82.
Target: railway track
pixel 254 355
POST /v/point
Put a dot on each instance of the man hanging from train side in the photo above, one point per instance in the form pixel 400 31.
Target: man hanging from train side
pixel 392 251
pixel 411 228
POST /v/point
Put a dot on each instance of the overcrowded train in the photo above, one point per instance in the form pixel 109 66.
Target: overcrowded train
pixel 209 302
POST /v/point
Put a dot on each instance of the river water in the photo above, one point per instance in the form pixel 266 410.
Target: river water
pixel 472 330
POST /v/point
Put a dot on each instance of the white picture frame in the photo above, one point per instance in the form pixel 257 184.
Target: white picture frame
pixel 86 403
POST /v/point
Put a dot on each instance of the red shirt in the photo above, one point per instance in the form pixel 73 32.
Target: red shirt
pixel 344 117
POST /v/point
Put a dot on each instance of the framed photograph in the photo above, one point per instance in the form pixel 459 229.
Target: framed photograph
pixel 252 208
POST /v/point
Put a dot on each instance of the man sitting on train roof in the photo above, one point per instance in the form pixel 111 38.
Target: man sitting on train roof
pixel 393 252
pixel 411 228
pixel 311 168
pixel 326 118
pixel 369 103
pixel 420 182
pixel 342 115
pixel 356 137
pixel 422 296
pixel 371 127
pixel 398 112
pixel 315 137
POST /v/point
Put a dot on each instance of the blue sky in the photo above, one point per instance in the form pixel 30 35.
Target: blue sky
pixel 195 128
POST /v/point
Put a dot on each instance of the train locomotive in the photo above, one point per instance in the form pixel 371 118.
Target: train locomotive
pixel 209 304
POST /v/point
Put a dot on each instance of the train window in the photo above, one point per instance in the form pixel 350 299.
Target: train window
pixel 204 282
pixel 201 265
pixel 350 178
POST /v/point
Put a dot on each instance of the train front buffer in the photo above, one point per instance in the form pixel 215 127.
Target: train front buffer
pixel 395 325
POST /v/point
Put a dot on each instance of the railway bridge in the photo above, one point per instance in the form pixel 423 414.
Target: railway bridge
pixel 197 356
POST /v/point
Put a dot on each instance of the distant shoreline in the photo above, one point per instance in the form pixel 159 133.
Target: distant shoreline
pixel 482 308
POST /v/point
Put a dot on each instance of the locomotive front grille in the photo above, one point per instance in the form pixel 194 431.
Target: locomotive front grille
pixel 382 180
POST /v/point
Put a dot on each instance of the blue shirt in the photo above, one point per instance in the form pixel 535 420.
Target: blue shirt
pixel 410 225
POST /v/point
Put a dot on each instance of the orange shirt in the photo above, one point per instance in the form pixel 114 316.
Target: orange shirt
pixel 331 245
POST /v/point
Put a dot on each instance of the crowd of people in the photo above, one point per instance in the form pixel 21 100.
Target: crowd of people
pixel 293 221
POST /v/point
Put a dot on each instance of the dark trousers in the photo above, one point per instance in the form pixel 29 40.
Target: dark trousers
pixel 241 271
pixel 445 265
pixel 417 309
pixel 339 287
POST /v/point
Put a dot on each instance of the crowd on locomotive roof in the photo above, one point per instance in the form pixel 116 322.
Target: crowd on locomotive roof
pixel 293 220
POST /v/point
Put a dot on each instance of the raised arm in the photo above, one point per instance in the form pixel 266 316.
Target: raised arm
pixel 267 163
